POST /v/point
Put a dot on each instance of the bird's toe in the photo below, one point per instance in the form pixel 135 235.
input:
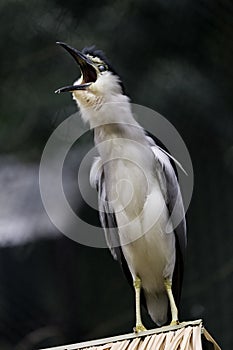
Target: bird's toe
pixel 174 323
pixel 139 328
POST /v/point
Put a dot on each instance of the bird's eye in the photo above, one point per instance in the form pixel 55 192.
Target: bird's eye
pixel 102 68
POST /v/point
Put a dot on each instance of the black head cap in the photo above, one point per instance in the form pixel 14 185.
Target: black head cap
pixel 94 52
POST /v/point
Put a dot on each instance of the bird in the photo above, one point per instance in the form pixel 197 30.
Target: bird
pixel 137 185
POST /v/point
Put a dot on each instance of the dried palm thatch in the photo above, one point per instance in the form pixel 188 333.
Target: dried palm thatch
pixel 185 336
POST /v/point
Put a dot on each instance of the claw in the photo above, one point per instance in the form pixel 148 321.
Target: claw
pixel 139 328
pixel 174 323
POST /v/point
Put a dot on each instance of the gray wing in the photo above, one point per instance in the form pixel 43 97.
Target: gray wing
pixel 171 191
pixel 107 217
pixel 167 176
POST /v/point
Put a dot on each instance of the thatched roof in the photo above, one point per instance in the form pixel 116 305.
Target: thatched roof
pixel 185 336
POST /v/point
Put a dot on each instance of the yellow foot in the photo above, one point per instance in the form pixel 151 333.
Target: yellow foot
pixel 139 328
pixel 174 323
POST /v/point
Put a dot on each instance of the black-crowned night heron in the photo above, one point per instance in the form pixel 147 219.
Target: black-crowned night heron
pixel 137 189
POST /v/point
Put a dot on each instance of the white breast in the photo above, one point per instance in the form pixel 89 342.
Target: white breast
pixel 148 249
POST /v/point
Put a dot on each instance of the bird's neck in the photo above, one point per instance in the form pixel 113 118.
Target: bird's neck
pixel 114 119
pixel 116 130
pixel 99 111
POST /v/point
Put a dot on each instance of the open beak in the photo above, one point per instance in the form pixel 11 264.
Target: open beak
pixel 88 71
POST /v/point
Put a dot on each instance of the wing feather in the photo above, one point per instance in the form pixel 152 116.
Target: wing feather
pixel 168 178
pixel 107 216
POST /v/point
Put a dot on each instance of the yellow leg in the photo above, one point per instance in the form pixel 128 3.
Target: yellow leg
pixel 139 326
pixel 174 311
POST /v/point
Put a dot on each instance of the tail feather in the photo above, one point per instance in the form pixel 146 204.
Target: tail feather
pixel 157 306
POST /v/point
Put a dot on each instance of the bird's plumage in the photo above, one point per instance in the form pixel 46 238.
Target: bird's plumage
pixel 169 186
pixel 140 203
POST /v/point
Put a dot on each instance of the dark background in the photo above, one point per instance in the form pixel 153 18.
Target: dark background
pixel 175 57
